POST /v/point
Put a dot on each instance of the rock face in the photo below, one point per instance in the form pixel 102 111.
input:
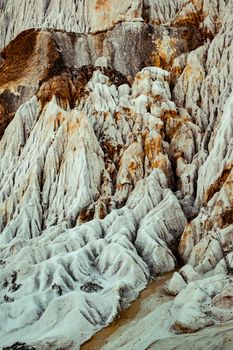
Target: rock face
pixel 42 55
pixel 115 164
pixel 69 15
pixel 210 338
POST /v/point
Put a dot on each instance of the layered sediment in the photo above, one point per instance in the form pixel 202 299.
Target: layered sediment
pixel 115 164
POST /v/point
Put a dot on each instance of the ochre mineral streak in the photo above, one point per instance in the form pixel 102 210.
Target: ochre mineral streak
pixel 116 154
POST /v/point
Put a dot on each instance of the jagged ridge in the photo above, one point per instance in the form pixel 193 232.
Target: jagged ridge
pixel 101 152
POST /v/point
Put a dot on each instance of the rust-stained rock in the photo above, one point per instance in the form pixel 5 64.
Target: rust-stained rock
pixel 60 86
pixel 224 299
pixel 35 56
pixel 27 60
pixel 115 164
pixel 225 180
pixel 175 41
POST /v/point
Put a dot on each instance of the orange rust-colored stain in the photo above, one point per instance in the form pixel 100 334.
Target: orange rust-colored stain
pixel 173 123
pixel 164 53
pixel 117 116
pixel 219 183
pixel 86 215
pixel 178 155
pixel 175 73
pixel 184 37
pixel 166 114
pixel 102 5
pixel 132 166
pixel 102 212
pixel 187 234
pixel 153 147
pixel 6 115
pixel 60 86
pixel 22 63
pixel 17 55
pixel 155 60
pixel 196 74
pixel 226 217
pixel 60 118
pixel 190 18
pixel 73 127
pixel 111 151
pixel 29 46
pixel 160 163
pixel 99 43
pixel 224 211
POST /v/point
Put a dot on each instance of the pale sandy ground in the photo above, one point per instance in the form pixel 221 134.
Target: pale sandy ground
pixel 212 338
pixel 123 332
pixel 140 326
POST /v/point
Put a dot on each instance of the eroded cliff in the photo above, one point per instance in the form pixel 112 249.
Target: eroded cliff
pixel 116 164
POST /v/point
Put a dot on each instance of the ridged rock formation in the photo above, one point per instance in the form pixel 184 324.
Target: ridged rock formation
pixel 116 159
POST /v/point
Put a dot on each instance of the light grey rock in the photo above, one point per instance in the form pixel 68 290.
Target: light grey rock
pixel 176 284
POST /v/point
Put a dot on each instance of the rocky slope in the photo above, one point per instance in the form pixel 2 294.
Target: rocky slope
pixel 116 160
